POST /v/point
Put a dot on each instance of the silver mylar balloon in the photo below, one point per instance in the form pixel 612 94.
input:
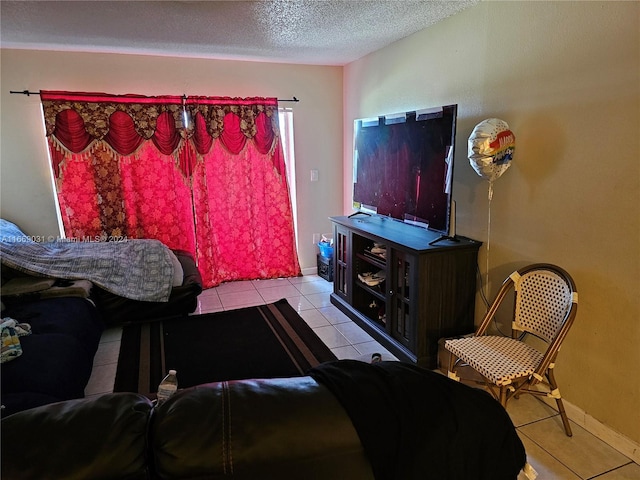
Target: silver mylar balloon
pixel 491 147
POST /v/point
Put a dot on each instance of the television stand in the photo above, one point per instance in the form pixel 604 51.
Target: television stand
pixel 427 291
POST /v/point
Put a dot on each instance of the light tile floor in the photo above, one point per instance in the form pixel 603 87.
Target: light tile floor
pixel 552 454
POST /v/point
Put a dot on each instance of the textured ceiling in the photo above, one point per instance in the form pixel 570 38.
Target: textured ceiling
pixel 324 32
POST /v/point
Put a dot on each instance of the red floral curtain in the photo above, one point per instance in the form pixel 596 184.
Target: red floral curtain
pixel 128 166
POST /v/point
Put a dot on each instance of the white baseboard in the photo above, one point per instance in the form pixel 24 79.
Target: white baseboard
pixel 624 445
pixel 310 271
pixel 614 439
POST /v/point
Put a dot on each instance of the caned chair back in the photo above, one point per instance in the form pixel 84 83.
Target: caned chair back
pixel 544 298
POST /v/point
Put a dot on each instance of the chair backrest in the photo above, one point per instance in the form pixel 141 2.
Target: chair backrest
pixel 546 299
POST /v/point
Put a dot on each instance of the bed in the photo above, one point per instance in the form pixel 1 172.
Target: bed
pixel 127 280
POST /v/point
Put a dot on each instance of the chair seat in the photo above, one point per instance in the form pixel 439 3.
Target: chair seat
pixel 499 359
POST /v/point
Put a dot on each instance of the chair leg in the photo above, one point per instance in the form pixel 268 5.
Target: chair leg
pixel 561 410
pixel 451 370
pixel 565 419
pixel 503 397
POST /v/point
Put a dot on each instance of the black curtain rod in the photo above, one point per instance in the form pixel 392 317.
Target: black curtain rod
pixel 28 93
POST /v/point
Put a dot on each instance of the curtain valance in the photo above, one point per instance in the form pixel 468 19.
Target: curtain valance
pixel 78 120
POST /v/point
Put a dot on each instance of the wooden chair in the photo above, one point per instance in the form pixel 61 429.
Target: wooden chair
pixel 546 302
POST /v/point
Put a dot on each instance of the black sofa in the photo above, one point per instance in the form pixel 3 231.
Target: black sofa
pixel 287 428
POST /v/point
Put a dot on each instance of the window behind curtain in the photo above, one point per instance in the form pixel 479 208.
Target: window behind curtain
pixel 286 137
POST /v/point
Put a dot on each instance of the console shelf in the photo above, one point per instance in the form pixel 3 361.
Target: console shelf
pixel 407 293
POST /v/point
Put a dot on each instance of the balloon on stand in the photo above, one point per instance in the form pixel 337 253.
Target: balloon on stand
pixel 491 147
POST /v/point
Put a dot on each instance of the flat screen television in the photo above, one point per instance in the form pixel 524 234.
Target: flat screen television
pixel 403 166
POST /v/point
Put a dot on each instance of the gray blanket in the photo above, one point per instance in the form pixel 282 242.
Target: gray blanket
pixel 135 269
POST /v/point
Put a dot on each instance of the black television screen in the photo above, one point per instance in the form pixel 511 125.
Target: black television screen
pixel 403 166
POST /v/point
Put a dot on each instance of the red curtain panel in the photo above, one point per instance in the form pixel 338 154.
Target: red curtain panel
pixel 129 166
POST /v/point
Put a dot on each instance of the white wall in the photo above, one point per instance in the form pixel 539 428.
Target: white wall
pixel 565 76
pixel 27 196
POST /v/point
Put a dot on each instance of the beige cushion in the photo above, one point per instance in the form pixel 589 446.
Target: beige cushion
pixel 499 359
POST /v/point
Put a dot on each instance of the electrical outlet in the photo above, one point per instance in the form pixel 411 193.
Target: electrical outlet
pixel 314 175
pixel 316 238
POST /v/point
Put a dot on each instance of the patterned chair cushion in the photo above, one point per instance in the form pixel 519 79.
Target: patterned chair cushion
pixel 499 359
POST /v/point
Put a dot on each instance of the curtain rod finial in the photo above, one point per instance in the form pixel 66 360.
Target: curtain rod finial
pixel 24 92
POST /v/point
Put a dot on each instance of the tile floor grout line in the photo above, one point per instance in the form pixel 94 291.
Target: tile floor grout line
pixel 600 475
pixel 546 450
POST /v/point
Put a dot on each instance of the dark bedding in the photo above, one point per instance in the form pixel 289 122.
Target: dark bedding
pixel 183 299
pixel 414 423
pixel 57 358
